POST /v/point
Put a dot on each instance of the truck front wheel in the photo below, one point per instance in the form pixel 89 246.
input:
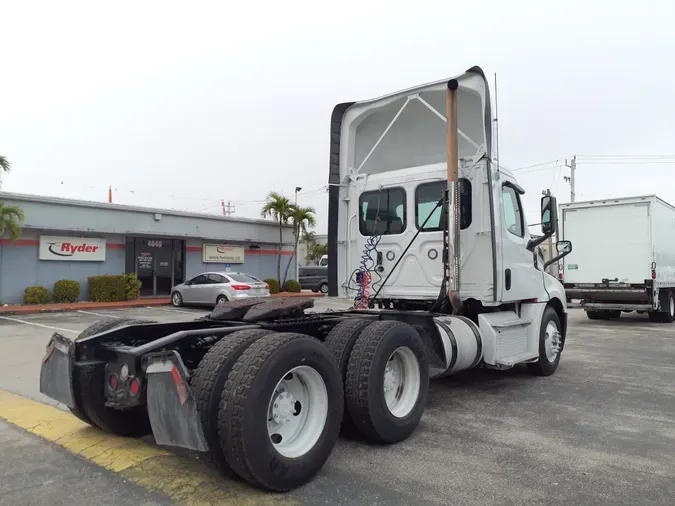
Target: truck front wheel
pixel 550 344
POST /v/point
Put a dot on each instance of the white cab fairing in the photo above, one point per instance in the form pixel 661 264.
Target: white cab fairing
pixel 392 171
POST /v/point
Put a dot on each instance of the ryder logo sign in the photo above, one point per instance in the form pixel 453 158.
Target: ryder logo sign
pixel 79 249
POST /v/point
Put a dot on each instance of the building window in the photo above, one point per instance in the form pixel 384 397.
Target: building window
pixel 382 212
pixel 427 196
pixel 513 211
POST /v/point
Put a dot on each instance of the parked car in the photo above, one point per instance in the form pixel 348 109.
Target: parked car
pixel 314 278
pixel 211 288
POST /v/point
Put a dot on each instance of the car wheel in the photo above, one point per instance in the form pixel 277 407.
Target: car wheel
pixel 176 299
pixel 221 300
pixel 323 288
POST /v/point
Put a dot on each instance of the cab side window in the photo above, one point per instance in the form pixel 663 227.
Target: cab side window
pixel 427 196
pixel 513 211
pixel 383 212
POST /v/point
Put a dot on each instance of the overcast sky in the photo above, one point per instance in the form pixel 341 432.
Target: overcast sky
pixel 182 104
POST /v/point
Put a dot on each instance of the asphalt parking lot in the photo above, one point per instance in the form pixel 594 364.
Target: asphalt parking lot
pixel 599 431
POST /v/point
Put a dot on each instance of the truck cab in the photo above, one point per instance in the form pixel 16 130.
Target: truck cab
pixel 390 169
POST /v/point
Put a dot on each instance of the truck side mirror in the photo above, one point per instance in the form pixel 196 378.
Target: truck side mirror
pixel 549 215
pixel 563 247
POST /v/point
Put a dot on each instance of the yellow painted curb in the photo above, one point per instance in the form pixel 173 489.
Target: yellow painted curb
pixel 185 481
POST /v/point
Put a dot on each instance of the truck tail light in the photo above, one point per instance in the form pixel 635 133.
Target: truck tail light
pixel 134 387
pixel 241 287
pixel 653 274
pixel 112 381
pixel 653 270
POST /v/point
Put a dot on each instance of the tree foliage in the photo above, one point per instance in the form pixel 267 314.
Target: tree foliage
pixel 279 208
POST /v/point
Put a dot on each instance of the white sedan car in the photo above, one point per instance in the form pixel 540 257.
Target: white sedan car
pixel 211 288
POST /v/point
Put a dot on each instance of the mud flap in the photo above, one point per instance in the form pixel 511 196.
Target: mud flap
pixel 171 406
pixel 56 373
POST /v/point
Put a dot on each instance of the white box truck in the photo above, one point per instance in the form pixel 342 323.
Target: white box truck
pixel 623 257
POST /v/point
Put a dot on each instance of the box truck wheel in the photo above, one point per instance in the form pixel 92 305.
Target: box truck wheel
pixel 387 381
pixel 592 315
pixel 550 344
pixel 340 342
pixel 280 411
pixel 88 388
pixel 667 314
pixel 207 385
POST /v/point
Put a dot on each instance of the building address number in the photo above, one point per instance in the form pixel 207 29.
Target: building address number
pixel 154 244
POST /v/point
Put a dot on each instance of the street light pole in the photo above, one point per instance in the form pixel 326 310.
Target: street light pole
pixel 297 263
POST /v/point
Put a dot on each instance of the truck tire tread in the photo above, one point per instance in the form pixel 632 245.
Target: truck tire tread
pixel 543 367
pixel 208 382
pixel 340 342
pixel 364 384
pixel 246 451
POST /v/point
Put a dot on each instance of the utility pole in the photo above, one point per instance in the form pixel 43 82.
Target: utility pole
pixel 227 209
pixel 570 179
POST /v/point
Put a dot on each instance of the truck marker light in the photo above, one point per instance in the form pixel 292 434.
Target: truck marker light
pixel 50 350
pixel 180 386
pixel 112 381
pixel 134 387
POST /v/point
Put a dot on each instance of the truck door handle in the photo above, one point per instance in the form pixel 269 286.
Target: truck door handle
pixel 379 258
pixel 507 279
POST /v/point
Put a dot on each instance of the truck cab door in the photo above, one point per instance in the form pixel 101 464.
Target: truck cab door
pixel 521 280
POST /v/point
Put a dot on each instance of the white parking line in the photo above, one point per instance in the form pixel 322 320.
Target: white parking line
pixel 39 325
pixel 175 310
pixel 98 314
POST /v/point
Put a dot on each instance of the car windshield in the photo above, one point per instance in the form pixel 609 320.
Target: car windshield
pixel 242 278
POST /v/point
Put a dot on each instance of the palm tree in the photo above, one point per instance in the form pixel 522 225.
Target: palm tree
pixel 315 252
pixel 5 166
pixel 10 219
pixel 302 219
pixel 278 207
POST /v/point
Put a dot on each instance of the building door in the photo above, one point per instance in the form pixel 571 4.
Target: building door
pixel 158 264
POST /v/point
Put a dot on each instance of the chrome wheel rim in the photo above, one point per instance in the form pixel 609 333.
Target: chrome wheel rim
pixel 552 341
pixel 401 382
pixel 297 412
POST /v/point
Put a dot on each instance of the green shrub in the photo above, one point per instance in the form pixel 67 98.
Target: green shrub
pixel 36 295
pixel 274 285
pixel 132 286
pixel 292 286
pixel 66 290
pixel 108 288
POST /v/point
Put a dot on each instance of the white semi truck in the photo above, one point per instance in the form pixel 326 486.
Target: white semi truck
pixel 624 256
pixel 426 234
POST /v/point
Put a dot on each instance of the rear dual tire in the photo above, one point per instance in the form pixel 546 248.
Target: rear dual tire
pixel 208 382
pixel 280 411
pixel 386 382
